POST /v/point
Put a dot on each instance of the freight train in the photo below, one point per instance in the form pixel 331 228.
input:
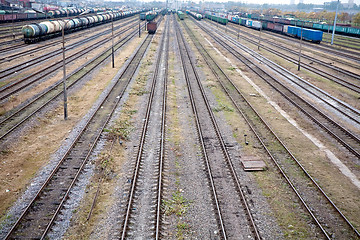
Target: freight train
pixel 150 16
pixel 39 31
pixel 195 15
pixel 343 29
pixel 7 16
pixel 217 17
pixel 307 34
pixel 293 31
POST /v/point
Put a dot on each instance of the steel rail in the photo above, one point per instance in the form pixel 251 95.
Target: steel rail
pixel 140 150
pixel 332 77
pixel 53 67
pixel 336 51
pixel 268 78
pixel 162 141
pixel 224 149
pixel 130 69
pixel 58 85
pixel 56 41
pixel 209 58
pixel 282 71
pixel 311 45
pixel 31 62
pixel 199 130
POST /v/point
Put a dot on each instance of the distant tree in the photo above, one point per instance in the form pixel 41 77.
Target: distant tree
pixel 272 12
pixel 344 17
pixel 301 15
pixel 356 19
pixel 330 16
pixel 322 15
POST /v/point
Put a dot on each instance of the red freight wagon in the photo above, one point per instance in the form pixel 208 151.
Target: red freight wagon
pixel 8 17
pixel 278 27
pixel 270 26
pixel 151 27
pixel 22 16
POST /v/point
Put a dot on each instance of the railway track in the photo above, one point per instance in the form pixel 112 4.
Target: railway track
pixel 342 42
pixel 18 116
pixel 20 84
pixel 231 207
pixel 349 111
pixel 38 217
pixel 346 53
pixel 55 65
pixel 5 43
pixel 352 81
pixel 143 205
pixel 28 51
pixel 18 46
pixel 302 187
pixel 345 137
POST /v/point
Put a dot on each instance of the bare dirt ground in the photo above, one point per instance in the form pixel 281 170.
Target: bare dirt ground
pixel 24 157
pixel 314 158
pixel 187 204
pixel 21 96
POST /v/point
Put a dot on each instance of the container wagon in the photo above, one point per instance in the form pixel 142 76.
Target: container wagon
pixel 216 17
pixel 341 28
pixel 308 34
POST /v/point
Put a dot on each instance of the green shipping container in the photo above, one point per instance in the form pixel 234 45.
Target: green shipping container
pixel 308 24
pixel 353 30
pixel 293 22
pixel 318 26
pixel 339 29
pixel 326 27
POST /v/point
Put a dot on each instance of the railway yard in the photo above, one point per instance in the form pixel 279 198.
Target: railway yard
pixel 198 131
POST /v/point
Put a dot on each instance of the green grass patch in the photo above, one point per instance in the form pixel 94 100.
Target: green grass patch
pixel 223 108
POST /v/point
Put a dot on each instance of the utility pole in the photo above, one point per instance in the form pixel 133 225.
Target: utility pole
pixel 259 35
pixel 12 20
pixel 239 29
pixel 333 33
pixel 300 46
pixel 64 72
pixel 112 41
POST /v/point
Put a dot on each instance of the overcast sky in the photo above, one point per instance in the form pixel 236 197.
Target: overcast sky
pixel 269 1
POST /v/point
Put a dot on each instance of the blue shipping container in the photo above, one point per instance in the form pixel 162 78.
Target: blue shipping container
pixel 293 30
pixel 312 35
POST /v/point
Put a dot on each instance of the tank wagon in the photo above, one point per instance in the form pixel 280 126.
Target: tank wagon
pixel 195 15
pixel 6 16
pixel 39 31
